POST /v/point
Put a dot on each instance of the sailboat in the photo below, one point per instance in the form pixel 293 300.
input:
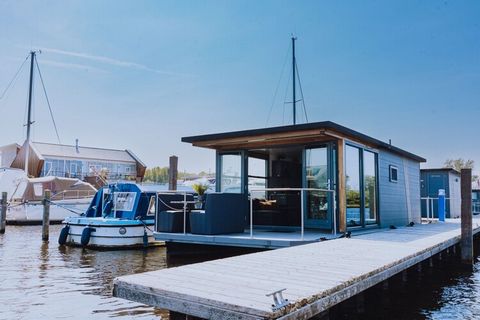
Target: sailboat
pixel 25 194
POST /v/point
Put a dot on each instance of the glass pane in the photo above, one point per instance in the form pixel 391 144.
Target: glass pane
pixel 317 178
pixel 370 185
pixel 231 172
pixel 257 175
pixel 352 185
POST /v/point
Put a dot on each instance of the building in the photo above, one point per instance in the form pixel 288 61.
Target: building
pixel 49 159
pixel 432 180
pixel 319 177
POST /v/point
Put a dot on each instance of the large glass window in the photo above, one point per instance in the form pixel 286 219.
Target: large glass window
pixel 352 185
pixel 316 165
pixel 257 175
pixel 370 187
pixel 231 173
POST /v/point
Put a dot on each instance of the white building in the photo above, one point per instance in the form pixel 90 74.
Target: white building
pixel 49 159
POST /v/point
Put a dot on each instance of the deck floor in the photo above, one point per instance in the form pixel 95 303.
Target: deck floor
pixel 316 276
pixel 261 238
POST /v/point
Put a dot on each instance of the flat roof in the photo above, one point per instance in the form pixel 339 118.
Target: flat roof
pixel 441 169
pixel 324 125
pixel 91 153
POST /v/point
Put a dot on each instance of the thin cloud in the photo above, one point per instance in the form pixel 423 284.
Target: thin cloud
pixel 72 66
pixel 111 61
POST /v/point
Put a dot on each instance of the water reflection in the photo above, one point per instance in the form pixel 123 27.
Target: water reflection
pixel 44 281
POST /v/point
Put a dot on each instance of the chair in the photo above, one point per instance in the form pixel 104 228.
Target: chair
pixel 170 215
pixel 224 213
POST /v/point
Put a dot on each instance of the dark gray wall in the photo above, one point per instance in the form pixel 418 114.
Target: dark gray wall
pixel 394 207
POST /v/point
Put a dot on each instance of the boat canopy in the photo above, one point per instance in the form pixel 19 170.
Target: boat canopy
pixel 21 188
pixel 124 201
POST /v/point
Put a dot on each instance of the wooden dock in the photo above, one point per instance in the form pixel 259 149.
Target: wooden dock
pixel 315 276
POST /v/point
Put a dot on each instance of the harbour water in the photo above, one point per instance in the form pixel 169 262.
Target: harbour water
pixel 44 281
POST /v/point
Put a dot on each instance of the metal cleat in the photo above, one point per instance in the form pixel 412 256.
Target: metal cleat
pixel 279 301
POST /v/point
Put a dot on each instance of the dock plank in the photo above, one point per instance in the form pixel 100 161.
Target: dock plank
pixel 316 276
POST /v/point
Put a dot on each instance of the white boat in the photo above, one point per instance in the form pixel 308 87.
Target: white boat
pixel 25 196
pixel 120 215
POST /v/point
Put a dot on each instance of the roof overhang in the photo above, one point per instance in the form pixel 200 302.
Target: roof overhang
pixel 302 134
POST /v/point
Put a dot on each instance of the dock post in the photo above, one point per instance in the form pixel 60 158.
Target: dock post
pixel 3 213
pixel 46 215
pixel 173 173
pixel 466 217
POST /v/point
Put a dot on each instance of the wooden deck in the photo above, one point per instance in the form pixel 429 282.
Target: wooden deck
pixel 261 238
pixel 316 276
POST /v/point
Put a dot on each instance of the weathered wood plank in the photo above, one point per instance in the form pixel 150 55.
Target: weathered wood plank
pixel 317 276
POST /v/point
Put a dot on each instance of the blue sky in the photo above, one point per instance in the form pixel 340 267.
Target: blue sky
pixel 142 74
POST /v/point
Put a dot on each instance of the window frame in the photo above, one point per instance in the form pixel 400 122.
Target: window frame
pixel 391 169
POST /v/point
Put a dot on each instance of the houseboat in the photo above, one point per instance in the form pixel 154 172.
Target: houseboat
pixel 440 180
pixel 296 184
pixel 120 215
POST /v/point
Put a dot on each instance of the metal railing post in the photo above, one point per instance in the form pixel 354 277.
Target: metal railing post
pixel 251 214
pixel 427 205
pixel 185 213
pixel 302 212
pixel 334 213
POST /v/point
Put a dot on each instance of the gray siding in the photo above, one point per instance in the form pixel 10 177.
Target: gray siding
pixel 393 195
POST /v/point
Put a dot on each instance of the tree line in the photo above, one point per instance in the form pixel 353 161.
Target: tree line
pixel 160 175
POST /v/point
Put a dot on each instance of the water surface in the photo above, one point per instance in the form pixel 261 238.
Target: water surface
pixel 44 281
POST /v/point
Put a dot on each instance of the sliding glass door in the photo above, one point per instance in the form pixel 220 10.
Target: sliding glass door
pixel 352 186
pixel 361 186
pixel 318 210
pixel 231 173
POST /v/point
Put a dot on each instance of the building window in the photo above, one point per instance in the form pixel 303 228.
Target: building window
pixel 393 174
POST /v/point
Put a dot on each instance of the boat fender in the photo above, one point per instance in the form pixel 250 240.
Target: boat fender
pixel 62 239
pixel 86 233
pixel 145 238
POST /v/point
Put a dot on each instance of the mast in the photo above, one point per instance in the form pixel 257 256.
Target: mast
pixel 29 117
pixel 293 81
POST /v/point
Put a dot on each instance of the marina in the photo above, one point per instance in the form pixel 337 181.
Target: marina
pixel 312 277
pixel 239 160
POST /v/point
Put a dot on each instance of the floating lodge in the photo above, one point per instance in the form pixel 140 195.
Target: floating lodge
pixel 432 181
pixel 306 183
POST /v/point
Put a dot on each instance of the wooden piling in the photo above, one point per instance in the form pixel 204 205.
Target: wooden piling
pixel 173 173
pixel 46 215
pixel 3 212
pixel 466 217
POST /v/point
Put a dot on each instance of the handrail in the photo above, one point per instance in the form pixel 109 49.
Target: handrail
pixel 184 206
pixel 429 202
pixel 302 206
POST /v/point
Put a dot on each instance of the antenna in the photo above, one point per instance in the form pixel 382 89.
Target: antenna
pixel 294 66
pixel 29 117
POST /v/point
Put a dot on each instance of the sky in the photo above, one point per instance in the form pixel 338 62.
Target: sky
pixel 140 75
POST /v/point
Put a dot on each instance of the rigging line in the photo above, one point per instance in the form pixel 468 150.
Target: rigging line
pixel 48 101
pixel 14 77
pixel 278 86
pixel 301 92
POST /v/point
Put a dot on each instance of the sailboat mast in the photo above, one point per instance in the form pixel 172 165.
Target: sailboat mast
pixel 29 116
pixel 293 81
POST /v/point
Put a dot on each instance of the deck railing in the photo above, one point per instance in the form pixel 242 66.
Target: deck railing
pixel 302 206
pixel 73 194
pixel 429 204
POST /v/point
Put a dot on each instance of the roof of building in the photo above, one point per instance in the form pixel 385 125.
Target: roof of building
pixel 324 125
pixel 71 151
pixel 441 169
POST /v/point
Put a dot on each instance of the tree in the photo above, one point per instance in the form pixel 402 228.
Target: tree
pixel 459 164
